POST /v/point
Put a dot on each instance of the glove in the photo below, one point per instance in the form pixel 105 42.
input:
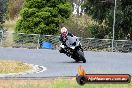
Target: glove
pixel 74 44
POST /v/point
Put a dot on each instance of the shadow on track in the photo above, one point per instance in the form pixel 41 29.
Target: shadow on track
pixel 73 62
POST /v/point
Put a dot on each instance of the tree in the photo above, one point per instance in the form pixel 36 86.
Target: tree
pixel 102 12
pixel 3 8
pixel 43 16
pixel 98 9
pixel 125 19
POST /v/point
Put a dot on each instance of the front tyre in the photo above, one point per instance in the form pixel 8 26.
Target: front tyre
pixel 81 56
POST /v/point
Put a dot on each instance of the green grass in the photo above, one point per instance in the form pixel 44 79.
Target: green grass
pixel 57 83
pixel 73 84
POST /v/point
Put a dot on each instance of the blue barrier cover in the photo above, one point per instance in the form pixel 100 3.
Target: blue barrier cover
pixel 47 45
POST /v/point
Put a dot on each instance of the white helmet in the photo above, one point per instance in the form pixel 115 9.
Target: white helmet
pixel 63 29
pixel 64 32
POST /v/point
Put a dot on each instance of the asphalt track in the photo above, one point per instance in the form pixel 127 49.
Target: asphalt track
pixel 60 65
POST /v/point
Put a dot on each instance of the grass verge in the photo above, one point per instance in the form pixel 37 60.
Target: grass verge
pixel 56 83
pixel 10 24
pixel 12 66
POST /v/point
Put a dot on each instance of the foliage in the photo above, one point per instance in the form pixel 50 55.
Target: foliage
pixel 102 12
pixel 3 8
pixel 79 25
pixel 43 16
pixel 98 9
pixel 99 31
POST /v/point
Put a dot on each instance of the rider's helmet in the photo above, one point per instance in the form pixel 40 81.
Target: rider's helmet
pixel 64 32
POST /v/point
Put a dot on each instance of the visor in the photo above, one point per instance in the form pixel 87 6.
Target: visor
pixel 64 35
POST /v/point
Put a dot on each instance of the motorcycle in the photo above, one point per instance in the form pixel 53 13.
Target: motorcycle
pixel 74 49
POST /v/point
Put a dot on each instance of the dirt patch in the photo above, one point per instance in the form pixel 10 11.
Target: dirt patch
pixel 12 66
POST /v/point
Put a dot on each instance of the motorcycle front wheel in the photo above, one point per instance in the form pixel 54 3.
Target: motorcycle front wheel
pixel 81 56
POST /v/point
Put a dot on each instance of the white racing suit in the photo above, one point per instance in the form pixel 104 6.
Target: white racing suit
pixel 70 41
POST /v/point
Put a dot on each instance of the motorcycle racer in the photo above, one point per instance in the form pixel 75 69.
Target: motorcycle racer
pixel 71 46
pixel 64 37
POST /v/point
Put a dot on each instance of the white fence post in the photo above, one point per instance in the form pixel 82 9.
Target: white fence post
pixel 114 27
pixel 38 41
pixel 1 39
